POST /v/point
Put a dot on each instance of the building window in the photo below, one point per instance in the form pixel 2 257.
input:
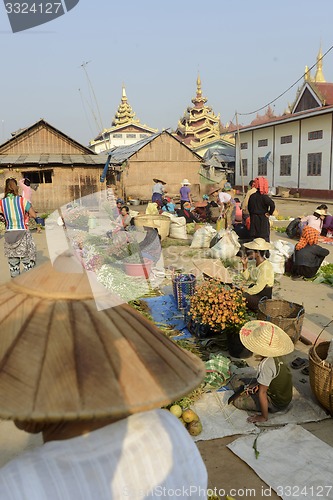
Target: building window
pixel 316 134
pixel 117 136
pixel 39 177
pixel 314 164
pixel 243 145
pixel 262 165
pixel 142 136
pixel 131 136
pixel 285 165
pixel 285 139
pixel 262 143
pixel 244 167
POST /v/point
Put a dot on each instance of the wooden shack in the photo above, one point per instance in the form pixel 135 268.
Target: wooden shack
pixel 59 168
pixel 132 168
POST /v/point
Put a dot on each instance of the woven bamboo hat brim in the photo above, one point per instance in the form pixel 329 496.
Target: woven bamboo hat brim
pixel 159 180
pixel 259 244
pixel 265 339
pixel 213 190
pixel 62 360
pixel 213 268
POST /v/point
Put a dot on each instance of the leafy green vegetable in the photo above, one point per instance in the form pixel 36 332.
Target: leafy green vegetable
pixel 254 446
pixel 324 275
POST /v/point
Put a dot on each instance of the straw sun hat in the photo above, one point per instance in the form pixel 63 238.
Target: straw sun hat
pixel 213 190
pixel 259 244
pixel 320 212
pixel 63 360
pixel 213 268
pixel 266 339
pixel 186 182
pixel 159 180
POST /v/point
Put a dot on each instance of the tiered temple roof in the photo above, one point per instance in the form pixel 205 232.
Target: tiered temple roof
pixel 124 121
pixel 199 125
pixel 125 114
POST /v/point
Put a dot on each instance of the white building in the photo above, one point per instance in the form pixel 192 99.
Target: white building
pixel 126 129
pixel 294 150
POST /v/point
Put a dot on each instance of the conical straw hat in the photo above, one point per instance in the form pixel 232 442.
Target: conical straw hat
pixel 213 268
pixel 62 360
pixel 266 339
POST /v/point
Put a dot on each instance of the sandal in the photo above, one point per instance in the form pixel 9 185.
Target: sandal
pixel 298 363
pixel 305 370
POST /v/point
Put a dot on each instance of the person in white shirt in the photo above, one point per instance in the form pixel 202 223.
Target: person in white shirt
pixel 90 380
pixel 315 220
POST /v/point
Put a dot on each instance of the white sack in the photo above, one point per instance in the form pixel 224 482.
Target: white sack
pixel 202 237
pixel 177 227
pixel 284 247
pixel 227 246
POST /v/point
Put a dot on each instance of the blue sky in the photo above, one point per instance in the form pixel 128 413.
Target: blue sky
pixel 247 52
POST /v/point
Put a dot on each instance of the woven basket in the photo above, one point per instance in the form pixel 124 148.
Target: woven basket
pixel 183 287
pixel 287 315
pixel 321 375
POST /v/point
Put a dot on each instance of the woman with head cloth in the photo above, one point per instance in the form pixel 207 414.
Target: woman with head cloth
pixel 19 245
pixel 308 255
pixel 260 207
pixel 271 390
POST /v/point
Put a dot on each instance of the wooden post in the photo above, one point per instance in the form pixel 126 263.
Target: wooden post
pixel 240 155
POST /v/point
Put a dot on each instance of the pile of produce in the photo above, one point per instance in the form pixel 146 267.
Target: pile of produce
pixel 324 275
pixel 188 418
pixel 218 306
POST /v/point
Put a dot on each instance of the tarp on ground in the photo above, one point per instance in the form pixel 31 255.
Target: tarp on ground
pixel 291 460
pixel 164 312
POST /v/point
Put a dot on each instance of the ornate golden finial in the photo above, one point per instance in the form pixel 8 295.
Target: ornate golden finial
pixel 124 96
pixel 319 76
pixel 307 74
pixel 199 90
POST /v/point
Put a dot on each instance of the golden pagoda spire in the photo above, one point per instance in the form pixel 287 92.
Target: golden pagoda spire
pixel 319 77
pixel 307 74
pixel 125 113
pixel 199 90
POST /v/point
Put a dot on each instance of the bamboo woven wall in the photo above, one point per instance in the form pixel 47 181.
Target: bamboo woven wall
pixel 42 140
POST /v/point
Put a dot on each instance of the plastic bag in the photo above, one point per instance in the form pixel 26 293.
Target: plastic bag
pixel 152 209
pixel 220 224
pixel 293 230
pixel 227 247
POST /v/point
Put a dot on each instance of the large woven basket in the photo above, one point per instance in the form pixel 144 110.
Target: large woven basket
pixel 287 315
pixel 160 222
pixel 321 375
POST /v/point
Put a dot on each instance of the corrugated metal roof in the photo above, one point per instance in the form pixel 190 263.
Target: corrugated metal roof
pixel 122 153
pixel 45 159
pixel 219 155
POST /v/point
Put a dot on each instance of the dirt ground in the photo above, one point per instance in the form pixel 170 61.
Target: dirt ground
pixel 226 471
